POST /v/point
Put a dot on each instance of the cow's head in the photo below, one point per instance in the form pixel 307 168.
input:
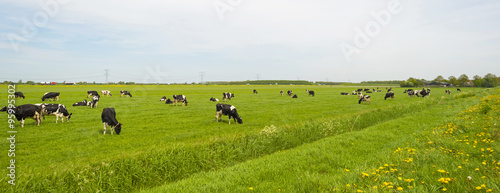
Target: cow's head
pixel 3 109
pixel 118 128
pixel 68 117
pixel 43 99
pixel 240 121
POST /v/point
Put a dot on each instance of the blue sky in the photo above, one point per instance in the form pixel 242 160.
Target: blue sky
pixel 177 41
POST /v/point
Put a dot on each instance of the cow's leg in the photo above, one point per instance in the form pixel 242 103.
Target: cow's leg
pixel 112 128
pixel 217 114
pixel 57 118
pixel 105 125
pixel 22 123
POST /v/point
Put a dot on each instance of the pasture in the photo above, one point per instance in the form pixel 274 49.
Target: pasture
pixel 161 143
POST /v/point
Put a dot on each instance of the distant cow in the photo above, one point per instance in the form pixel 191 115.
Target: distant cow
pixel 28 111
pixel 51 95
pixel 389 95
pixel 106 92
pixel 289 92
pixel 294 96
pixel 168 101
pixel 255 91
pixel 58 110
pixel 458 90
pixel 95 100
pixel 344 93
pixel 425 92
pixel 108 118
pixel 83 103
pixel 179 98
pixel 19 95
pixel 311 93
pixel 91 93
pixel 124 92
pixel 226 96
pixel 364 98
pixel 410 93
pixel 214 99
pixel 281 92
pixel 164 98
pixel 447 92
pixel 229 110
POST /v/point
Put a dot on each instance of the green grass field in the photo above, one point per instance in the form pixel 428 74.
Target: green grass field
pixel 303 144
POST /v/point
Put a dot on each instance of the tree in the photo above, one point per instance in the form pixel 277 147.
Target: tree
pixel 462 79
pixel 30 82
pixel 490 80
pixel 439 79
pixel 478 81
pixel 452 80
pixel 20 81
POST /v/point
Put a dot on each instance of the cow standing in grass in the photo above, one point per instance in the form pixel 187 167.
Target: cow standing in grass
pixel 19 95
pixel 229 110
pixel 281 92
pixel 364 98
pixel 91 93
pixel 95 100
pixel 311 93
pixel 58 110
pixel 179 98
pixel 124 92
pixel 447 92
pixel 227 96
pixel 27 111
pixel 389 95
pixel 51 95
pixel 106 92
pixel 108 118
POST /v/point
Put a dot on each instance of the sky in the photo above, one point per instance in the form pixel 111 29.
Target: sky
pixel 174 41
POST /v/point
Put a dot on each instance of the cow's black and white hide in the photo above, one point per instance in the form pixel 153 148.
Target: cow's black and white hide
pixel 311 93
pixel 179 98
pixel 389 95
pixel 214 99
pixel 364 98
pixel 51 95
pixel 281 92
pixel 407 90
pixel 425 92
pixel 447 92
pixel 91 93
pixel 106 92
pixel 164 98
pixel 410 93
pixel 108 118
pixel 124 92
pixel 227 96
pixel 83 103
pixel 354 92
pixel 229 110
pixel 344 93
pixel 359 90
pixel 19 95
pixel 289 92
pixel 294 96
pixel 255 91
pixel 95 100
pixel 58 110
pixel 368 91
pixel 168 101
pixel 27 111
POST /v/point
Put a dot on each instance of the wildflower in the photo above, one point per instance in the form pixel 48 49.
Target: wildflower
pixel 469 177
pixel 477 169
pixel 346 170
pixel 250 188
pixel 410 187
pixel 390 187
pixel 359 190
pixel 364 174
pixel 400 188
pixel 442 171
pixel 478 188
pixel 444 189
pixel 489 190
pixel 348 185
pixel 374 187
pixel 460 167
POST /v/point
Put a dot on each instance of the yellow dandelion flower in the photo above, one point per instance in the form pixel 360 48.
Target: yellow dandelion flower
pixel 390 187
pixel 483 186
pixel 478 188
pixel 251 188
pixel 410 187
pixel 400 188
pixel 442 171
pixel 346 170
pixel 359 191
pixel 444 189
pixel 348 185
pixel 374 187
pixel 489 190
pixel 477 169
pixel 460 167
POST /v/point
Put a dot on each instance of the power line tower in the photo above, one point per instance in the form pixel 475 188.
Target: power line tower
pixel 107 74
pixel 201 77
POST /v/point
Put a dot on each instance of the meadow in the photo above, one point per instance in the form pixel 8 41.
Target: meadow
pixel 184 148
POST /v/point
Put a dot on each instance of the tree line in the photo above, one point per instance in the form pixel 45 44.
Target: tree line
pixel 489 80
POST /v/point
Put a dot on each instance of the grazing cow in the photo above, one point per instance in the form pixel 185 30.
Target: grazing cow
pixel 179 98
pixel 447 92
pixel 294 96
pixel 4 108
pixel 407 90
pixel 360 95
pixel 359 90
pixel 368 91
pixel 289 92
pixel 354 92
pixel 214 99
pixel 389 90
pixel 168 101
pixel 255 91
pixel 51 95
pixel 344 93
pixel 389 95
pixel 91 93
pixel 281 92
pixel 458 90
pixel 108 118
pixel 311 93
pixel 364 98
pixel 58 110
pixel 83 103
pixel 28 111
pixel 95 100
pixel 425 92
pixel 229 110
pixel 226 96
pixel 124 92
pixel 106 92
pixel 410 93
pixel 19 95
pixel 164 98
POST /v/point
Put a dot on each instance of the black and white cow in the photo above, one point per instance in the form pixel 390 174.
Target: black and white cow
pixel 289 92
pixel 407 90
pixel 368 91
pixel 364 98
pixel 354 92
pixel 389 95
pixel 227 96
pixel 281 92
pixel 164 98
pixel 83 103
pixel 91 93
pixel 95 100
pixel 108 118
pixel 410 93
pixel 51 95
pixel 124 92
pixel 294 96
pixel 311 93
pixel 28 111
pixel 425 92
pixel 458 90
pixel 344 93
pixel 214 99
pixel 179 98
pixel 359 90
pixel 255 91
pixel 168 101
pixel 106 92
pixel 19 95
pixel 447 92
pixel 58 110
pixel 229 110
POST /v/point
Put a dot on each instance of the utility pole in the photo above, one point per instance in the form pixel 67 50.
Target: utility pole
pixel 201 77
pixel 107 74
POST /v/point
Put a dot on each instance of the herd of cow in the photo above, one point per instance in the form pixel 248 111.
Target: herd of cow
pixel 108 116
